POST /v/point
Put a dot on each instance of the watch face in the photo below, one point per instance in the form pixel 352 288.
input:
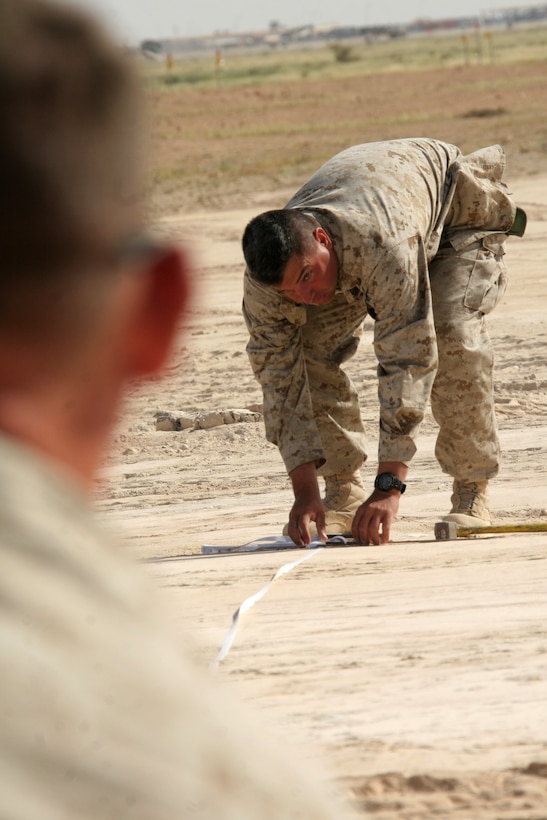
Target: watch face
pixel 385 482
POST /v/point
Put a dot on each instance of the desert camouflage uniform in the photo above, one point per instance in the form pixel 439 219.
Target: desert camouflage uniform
pixel 102 715
pixel 419 232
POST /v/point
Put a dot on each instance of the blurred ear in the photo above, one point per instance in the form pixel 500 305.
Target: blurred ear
pixel 158 312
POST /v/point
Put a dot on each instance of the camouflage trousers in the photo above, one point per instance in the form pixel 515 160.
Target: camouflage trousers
pixel 467 282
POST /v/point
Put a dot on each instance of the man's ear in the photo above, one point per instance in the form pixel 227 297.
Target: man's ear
pixel 161 305
pixel 322 237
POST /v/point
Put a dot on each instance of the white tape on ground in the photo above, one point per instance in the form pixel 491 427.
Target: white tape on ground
pixel 251 601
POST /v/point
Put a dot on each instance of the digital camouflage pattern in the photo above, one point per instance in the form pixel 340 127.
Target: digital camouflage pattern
pixel 419 232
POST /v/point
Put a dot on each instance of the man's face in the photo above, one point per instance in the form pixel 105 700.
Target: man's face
pixel 310 278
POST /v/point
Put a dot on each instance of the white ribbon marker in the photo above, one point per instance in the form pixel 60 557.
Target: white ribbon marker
pixel 249 602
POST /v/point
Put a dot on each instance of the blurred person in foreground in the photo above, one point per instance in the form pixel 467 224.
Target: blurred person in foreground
pixel 100 714
pixel 411 232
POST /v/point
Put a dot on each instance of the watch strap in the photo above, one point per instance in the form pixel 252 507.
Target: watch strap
pixel 388 481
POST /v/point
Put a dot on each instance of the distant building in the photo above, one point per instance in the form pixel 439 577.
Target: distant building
pixel 278 36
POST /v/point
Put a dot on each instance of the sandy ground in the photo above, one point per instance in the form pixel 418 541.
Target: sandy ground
pixel 417 671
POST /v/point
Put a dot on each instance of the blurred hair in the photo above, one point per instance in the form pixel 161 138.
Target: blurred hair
pixel 68 152
pixel 271 238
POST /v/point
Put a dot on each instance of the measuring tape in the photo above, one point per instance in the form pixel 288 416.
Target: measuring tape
pixel 251 601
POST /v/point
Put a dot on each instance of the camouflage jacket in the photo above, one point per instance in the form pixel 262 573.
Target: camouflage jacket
pixel 105 714
pixel 386 206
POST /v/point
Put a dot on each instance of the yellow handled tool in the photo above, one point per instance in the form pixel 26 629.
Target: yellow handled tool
pixel 448 530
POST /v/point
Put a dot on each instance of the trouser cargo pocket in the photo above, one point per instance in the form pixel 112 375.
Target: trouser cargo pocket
pixel 488 278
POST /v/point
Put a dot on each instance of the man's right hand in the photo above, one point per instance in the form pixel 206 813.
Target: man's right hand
pixel 307 505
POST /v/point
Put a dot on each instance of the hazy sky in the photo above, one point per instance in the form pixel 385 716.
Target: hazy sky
pixel 134 20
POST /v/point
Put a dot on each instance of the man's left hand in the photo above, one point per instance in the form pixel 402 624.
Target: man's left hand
pixel 372 522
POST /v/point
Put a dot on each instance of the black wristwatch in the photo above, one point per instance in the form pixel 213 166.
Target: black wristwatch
pixel 388 481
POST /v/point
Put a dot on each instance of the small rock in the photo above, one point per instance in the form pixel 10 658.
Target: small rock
pixel 165 421
pixel 205 421
pixel 186 422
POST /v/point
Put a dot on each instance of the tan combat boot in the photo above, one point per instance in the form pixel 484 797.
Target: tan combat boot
pixel 344 494
pixel 470 504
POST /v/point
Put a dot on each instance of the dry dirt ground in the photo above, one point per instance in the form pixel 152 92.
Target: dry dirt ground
pixel 416 671
pixel 215 149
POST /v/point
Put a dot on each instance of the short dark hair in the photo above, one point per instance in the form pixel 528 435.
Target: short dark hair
pixel 69 105
pixel 272 238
